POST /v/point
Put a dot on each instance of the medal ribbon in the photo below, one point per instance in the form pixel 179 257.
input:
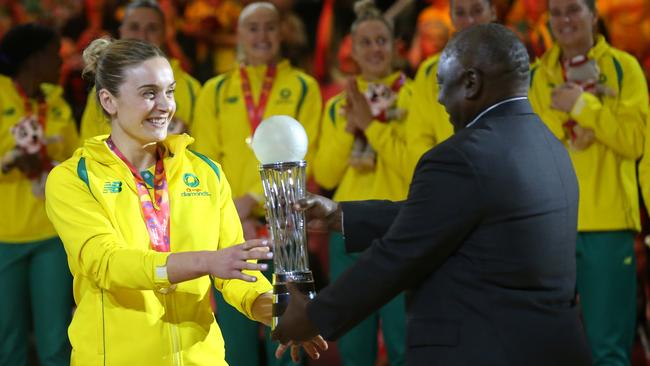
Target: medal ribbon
pixel 155 213
pixel 256 112
pixel 41 118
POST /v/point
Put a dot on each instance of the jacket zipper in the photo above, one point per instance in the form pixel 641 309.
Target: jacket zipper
pixel 173 331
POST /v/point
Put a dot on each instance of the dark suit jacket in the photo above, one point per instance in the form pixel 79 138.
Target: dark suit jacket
pixel 484 246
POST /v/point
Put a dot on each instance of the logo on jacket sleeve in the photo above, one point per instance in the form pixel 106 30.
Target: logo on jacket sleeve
pixel 113 187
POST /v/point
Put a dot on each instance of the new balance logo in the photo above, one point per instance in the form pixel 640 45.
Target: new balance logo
pixel 113 187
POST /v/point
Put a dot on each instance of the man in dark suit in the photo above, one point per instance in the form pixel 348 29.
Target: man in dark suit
pixel 485 243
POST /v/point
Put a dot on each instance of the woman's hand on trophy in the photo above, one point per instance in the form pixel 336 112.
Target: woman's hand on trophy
pixel 262 309
pixel 228 263
pixel 321 212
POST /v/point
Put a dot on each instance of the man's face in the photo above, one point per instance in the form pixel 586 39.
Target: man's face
pixel 450 94
pixel 144 24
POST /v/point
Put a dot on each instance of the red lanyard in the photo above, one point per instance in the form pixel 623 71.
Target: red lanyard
pixel 156 215
pixel 256 112
pixel 398 83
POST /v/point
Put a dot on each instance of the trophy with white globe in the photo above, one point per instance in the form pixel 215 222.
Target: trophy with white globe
pixel 280 144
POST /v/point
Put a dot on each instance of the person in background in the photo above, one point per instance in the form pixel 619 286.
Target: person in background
pixel 144 20
pixel 36 131
pixel 147 223
pixel 355 157
pixel 428 123
pixel 594 98
pixel 231 107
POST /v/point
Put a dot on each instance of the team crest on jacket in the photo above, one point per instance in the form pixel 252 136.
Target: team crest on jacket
pixel 190 180
pixel 192 186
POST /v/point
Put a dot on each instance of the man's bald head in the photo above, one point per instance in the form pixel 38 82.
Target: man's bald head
pixel 481 66
pixel 494 50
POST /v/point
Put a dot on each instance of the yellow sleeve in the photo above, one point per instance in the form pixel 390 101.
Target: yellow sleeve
pixel 618 125
pixel 644 168
pixel 388 139
pixel 94 248
pixel 309 114
pixel 334 147
pixel 187 98
pixel 240 294
pixel 93 120
pixel 539 95
pixel 205 128
pixel 427 122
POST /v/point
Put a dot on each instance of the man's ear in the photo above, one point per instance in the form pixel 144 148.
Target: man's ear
pixel 472 83
pixel 107 100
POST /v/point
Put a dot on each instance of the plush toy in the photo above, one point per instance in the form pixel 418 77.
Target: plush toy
pixel 381 100
pixel 29 155
pixel 585 72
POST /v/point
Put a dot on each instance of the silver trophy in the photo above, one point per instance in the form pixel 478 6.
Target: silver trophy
pixel 280 143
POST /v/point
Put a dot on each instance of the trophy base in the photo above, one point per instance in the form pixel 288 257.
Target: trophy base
pixel 303 280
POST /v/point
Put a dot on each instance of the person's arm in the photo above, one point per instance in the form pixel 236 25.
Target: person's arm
pixel 644 168
pixel 427 121
pixel 444 205
pixel 205 127
pixel 309 113
pixel 331 158
pixel 539 96
pixel 187 92
pixel 241 295
pixel 97 251
pixel 365 221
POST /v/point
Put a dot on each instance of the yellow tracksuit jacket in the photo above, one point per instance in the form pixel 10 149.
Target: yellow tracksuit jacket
pixel 606 170
pixel 221 126
pixel 427 121
pixel 94 122
pixel 331 168
pixel 23 215
pixel 122 317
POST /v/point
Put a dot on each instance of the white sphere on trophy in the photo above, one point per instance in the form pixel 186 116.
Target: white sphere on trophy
pixel 279 139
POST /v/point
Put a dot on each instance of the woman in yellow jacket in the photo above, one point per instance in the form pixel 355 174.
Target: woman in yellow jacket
pixel 427 119
pixel 228 110
pixel 145 20
pixel 35 282
pixel 145 222
pixel 369 115
pixel 594 98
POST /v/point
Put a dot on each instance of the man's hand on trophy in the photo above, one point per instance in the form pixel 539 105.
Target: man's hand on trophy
pixel 229 263
pixel 322 213
pixel 312 347
pixel 295 330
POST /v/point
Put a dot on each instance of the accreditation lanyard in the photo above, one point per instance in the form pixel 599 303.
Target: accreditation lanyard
pixel 156 212
pixel 41 115
pixel 256 112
